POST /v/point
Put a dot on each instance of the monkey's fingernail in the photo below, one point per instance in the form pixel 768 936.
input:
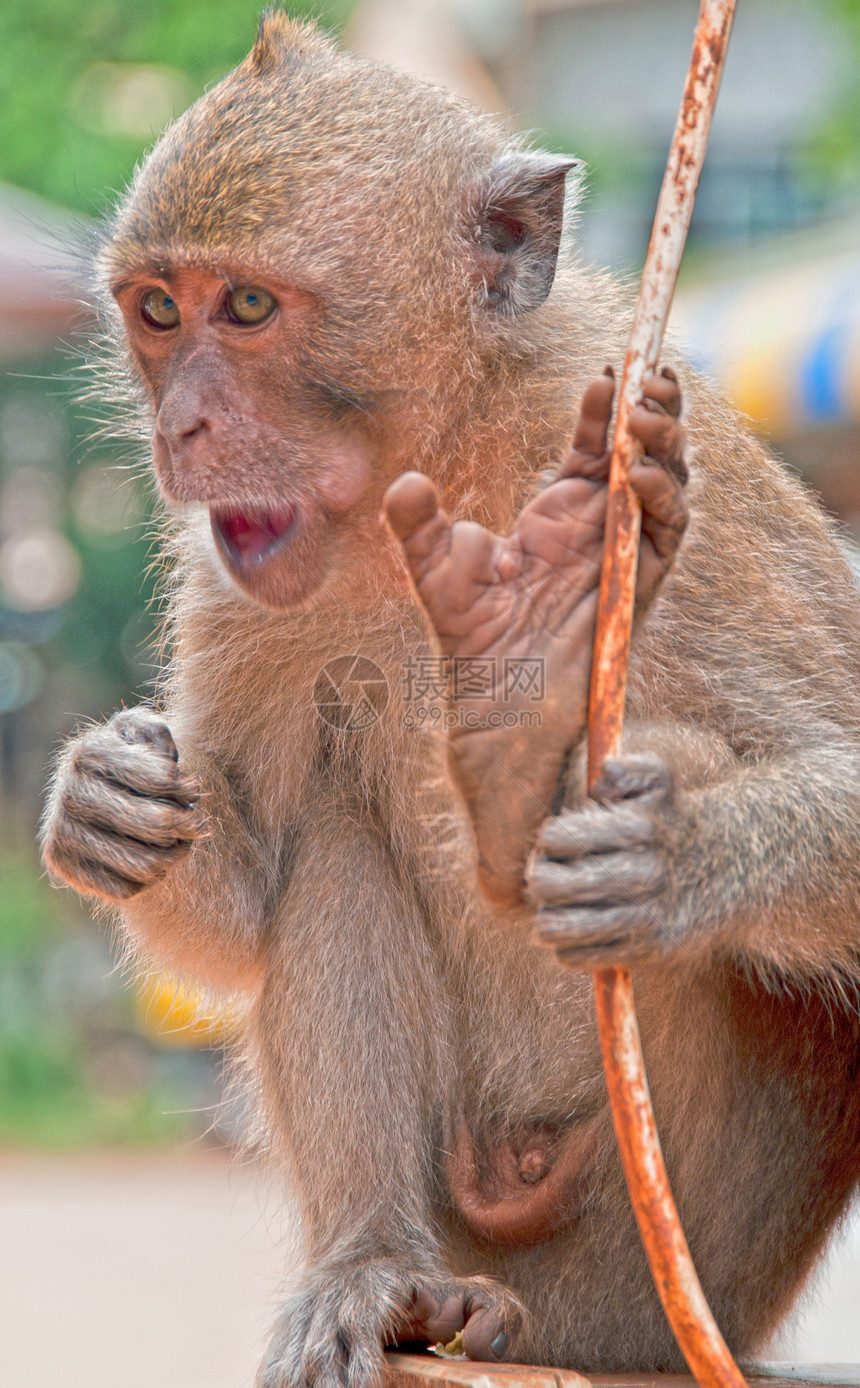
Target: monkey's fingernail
pixel 609 371
pixel 499 1347
pixel 669 374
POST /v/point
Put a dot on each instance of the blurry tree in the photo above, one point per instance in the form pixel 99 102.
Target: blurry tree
pixel 85 88
pixel 833 153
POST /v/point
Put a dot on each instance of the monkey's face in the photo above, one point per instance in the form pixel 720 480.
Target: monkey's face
pixel 280 453
pixel 323 270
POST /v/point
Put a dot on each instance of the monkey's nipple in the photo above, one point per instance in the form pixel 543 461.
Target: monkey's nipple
pixel 247 537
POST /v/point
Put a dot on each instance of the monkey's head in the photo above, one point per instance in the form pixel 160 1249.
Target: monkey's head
pixel 324 270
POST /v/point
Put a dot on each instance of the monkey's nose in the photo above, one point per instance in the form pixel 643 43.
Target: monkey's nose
pixel 185 429
pixel 199 426
pixel 187 439
pixel 183 420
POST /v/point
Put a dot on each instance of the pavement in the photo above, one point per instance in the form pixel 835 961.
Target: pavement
pixel 163 1271
pixel 135 1272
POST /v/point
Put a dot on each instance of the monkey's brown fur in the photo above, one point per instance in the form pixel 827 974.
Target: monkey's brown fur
pixel 387 1003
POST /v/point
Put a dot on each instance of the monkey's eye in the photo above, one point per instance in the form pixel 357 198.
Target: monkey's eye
pixel 159 309
pixel 249 304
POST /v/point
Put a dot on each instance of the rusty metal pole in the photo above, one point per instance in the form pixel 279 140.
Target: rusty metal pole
pixel 695 1330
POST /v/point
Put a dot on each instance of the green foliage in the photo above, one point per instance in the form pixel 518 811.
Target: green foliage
pixel 834 149
pixel 74 1071
pixel 49 57
pixel 46 1101
pixel 27 915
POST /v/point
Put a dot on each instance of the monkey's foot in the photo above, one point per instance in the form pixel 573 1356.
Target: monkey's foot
pixel 516 616
pixel 333 1331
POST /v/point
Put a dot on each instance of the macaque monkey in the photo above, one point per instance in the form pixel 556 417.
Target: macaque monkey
pixel 328 275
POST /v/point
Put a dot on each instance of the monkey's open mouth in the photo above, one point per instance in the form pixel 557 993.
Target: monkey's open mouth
pixel 248 538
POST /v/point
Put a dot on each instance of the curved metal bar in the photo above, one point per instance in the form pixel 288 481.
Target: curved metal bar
pixel 674 1274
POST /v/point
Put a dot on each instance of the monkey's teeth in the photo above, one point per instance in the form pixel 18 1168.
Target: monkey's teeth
pixel 247 536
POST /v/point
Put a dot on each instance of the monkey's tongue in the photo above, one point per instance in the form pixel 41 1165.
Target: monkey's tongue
pixel 247 536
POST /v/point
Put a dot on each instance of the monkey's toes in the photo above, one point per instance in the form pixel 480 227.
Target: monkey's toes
pixel 487 1336
pixel 485 1315
pixel 410 502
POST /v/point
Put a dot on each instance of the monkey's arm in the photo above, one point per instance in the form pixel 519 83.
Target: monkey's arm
pixel 685 848
pixel 161 840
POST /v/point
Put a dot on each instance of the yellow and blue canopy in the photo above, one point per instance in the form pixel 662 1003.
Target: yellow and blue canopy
pixel 780 329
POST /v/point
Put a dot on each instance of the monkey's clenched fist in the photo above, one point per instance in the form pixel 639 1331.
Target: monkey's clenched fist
pixel 122 810
pixel 601 875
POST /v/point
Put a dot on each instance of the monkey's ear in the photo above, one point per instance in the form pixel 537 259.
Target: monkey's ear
pixel 516 218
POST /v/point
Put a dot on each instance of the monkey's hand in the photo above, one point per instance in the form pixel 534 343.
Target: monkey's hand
pixel 121 811
pixel 601 876
pixel 332 1332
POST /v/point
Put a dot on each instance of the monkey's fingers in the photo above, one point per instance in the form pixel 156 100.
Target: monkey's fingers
pixel 437 1320
pixel 111 866
pixel 589 456
pixel 618 817
pixel 155 821
pixel 664 389
pixel 487 1316
pixel 128 758
pixel 607 879
pixel 597 937
pixel 146 729
pixel 661 435
pixel 664 513
pixel 137 772
pixel 592 830
pixel 641 778
pixel 486 1336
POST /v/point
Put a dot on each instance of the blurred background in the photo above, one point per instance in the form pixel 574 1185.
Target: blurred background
pixel 126 1226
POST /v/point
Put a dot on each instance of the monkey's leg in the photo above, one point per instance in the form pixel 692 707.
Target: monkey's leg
pixel 757 862
pixel 529 602
pixel 351 1050
pixel 157 835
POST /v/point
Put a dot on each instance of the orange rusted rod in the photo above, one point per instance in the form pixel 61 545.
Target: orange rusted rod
pixel 694 1327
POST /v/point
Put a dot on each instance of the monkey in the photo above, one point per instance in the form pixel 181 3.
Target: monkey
pixel 326 276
